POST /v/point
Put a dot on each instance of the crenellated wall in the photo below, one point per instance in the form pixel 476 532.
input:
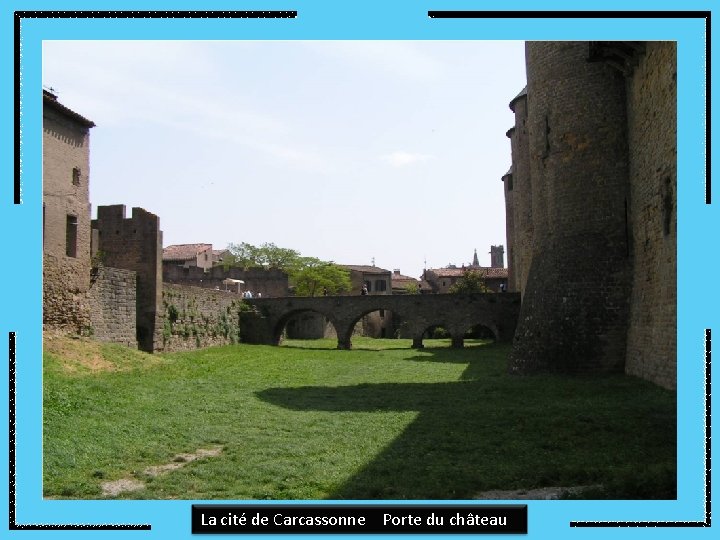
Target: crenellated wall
pixel 271 282
pixel 135 244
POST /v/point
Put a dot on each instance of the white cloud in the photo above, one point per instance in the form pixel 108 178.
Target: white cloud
pixel 402 159
pixel 165 88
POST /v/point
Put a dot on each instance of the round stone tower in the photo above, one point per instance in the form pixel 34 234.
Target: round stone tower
pixel 522 192
pixel 575 300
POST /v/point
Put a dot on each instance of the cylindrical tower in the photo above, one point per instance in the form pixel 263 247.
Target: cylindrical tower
pixel 522 191
pixel 510 229
pixel 574 311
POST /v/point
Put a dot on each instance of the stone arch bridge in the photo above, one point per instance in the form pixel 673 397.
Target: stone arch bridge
pixel 456 313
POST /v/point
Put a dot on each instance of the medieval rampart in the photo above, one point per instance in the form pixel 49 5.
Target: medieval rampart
pixel 271 282
pixel 652 132
pixel 64 301
pixel 135 244
pixel 194 317
pixel 595 249
pixel 112 301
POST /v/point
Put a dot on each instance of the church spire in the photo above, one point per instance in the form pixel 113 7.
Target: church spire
pixel 475 259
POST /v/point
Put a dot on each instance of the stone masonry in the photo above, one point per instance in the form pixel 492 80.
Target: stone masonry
pixel 112 301
pixel 135 244
pixel 457 313
pixel 195 317
pixel 66 216
pixel 592 198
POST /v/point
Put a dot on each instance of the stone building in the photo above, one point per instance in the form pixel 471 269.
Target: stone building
pixel 440 280
pixel 377 324
pixel 66 215
pixel 377 280
pixel 591 209
pixel 103 277
pixel 404 284
pixel 187 255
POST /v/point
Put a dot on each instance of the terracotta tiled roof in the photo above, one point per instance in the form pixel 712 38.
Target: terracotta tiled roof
pixel 184 252
pixel 400 277
pixel 365 269
pixel 458 272
pixel 51 101
pixel 400 282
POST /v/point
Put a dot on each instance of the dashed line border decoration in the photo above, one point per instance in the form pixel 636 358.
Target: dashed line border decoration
pixel 706 15
pixel 13 525
pixel 20 15
pixel 17 199
pixel 708 462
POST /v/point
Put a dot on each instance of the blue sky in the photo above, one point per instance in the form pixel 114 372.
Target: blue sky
pixel 350 151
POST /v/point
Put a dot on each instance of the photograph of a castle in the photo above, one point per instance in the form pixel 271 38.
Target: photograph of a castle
pixel 583 318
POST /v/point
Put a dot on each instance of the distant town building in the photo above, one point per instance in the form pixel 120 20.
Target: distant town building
pixel 187 255
pixel 378 324
pixel 200 265
pixel 377 280
pixel 403 284
pixel 440 280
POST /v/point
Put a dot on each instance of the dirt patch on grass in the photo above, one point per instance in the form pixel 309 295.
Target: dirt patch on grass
pixel 76 354
pixel 115 488
pixel 183 459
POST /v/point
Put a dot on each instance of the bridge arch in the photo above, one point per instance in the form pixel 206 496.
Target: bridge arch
pixel 455 312
pixel 281 323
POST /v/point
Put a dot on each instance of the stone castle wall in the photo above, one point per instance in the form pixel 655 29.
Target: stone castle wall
pixel 600 289
pixel 135 244
pixel 519 198
pixel 267 282
pixel 652 130
pixel 112 302
pixel 65 304
pixel 194 317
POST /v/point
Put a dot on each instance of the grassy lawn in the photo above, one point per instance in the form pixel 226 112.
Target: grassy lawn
pixel 307 421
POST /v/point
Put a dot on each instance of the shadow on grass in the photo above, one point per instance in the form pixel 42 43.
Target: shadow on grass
pixel 493 431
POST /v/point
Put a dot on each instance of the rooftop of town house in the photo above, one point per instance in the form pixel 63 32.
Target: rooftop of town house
pixel 184 252
pixel 397 277
pixel 50 100
pixel 365 269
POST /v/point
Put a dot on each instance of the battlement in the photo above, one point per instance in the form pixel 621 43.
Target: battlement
pixel 135 244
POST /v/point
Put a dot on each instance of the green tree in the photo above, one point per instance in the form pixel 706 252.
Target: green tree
pixel 308 275
pixel 267 255
pixel 312 275
pixel 412 288
pixel 472 281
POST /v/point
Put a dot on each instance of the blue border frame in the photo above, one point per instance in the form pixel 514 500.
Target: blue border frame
pixel 373 19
